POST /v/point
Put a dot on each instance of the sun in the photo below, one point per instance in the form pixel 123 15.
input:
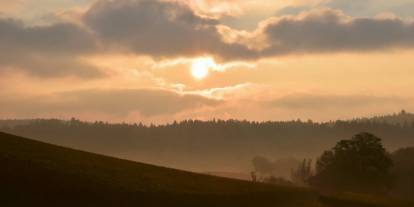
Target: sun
pixel 200 68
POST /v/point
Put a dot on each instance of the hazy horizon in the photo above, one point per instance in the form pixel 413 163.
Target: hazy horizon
pixel 224 146
pixel 212 119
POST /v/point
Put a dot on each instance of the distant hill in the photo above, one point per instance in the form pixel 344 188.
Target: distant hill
pixel 401 118
pixel 212 146
pixel 38 174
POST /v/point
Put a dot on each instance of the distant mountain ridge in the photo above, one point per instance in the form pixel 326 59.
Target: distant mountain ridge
pixel 401 118
pixel 212 146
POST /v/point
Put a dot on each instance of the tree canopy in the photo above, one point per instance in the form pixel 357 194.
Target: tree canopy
pixel 360 164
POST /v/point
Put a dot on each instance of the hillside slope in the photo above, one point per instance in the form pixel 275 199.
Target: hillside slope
pixel 35 173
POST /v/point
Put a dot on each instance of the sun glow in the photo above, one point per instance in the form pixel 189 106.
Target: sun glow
pixel 200 68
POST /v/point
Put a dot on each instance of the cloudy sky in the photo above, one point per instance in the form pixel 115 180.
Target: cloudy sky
pixel 161 60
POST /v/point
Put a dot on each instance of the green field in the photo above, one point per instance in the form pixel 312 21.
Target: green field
pixel 39 174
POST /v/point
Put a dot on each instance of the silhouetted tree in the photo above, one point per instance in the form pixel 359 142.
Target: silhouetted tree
pixel 302 173
pixel 360 164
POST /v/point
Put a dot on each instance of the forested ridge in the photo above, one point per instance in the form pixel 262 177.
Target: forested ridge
pixel 221 144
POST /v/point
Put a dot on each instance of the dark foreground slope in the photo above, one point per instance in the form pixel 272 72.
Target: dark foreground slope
pixel 38 174
pixel 35 173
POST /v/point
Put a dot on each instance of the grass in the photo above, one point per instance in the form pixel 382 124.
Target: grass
pixel 33 173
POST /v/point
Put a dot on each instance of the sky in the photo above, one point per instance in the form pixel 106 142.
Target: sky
pixel 155 61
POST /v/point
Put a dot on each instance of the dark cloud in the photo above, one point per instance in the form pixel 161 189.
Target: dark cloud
pixel 62 38
pixel 338 102
pixel 172 29
pixel 51 50
pixel 331 31
pixel 119 102
pixel 159 29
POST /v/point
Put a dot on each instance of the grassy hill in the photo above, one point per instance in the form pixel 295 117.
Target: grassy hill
pixel 33 173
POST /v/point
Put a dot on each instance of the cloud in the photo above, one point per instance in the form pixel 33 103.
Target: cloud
pixel 226 92
pixel 51 50
pixel 218 8
pixel 331 31
pixel 172 29
pixel 111 102
pixel 159 29
pixel 337 102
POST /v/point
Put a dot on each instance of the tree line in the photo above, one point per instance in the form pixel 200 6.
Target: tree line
pixel 359 165
pixel 227 145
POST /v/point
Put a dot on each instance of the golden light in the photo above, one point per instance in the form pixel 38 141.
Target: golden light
pixel 200 67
